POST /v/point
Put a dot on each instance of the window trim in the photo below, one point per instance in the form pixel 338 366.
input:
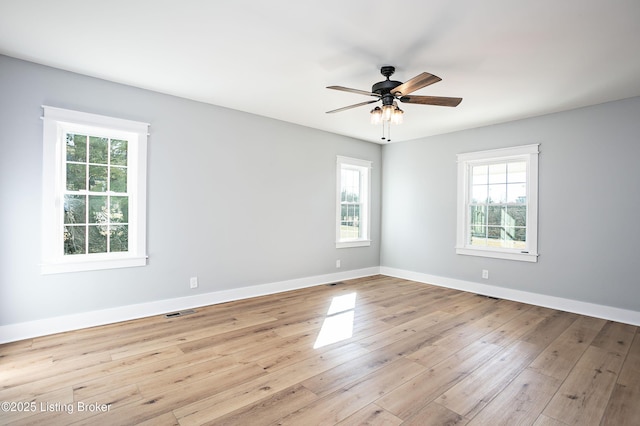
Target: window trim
pixel 57 122
pixel 528 153
pixel 364 167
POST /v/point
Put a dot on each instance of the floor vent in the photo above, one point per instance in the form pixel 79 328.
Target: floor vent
pixel 180 313
pixel 488 297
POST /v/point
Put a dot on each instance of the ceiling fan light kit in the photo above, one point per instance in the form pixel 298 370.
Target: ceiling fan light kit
pixel 388 113
pixel 390 91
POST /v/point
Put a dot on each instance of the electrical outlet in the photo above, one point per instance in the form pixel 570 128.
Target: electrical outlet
pixel 193 282
pixel 338 263
pixel 485 274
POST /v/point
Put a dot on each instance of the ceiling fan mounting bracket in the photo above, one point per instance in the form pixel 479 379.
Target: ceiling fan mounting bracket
pixel 387 71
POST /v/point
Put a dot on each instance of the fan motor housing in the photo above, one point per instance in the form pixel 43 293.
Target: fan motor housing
pixel 383 88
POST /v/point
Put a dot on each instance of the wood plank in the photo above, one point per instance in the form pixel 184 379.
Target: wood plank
pixel 158 402
pixel 399 332
pixel 166 419
pixel 25 368
pixel 19 348
pixel 120 372
pixel 293 355
pixel 208 408
pixel 550 328
pixel 525 321
pixel 521 402
pixel 116 336
pixel 43 409
pixel 464 301
pixel 474 392
pixel 269 409
pixel 615 337
pixel 372 414
pixel 81 410
pixel 623 407
pixel 218 374
pixel 349 372
pixel 407 399
pixel 434 414
pixel 630 373
pixel 99 372
pixel 561 355
pixel 344 402
pixel 465 334
pixel 548 421
pixel 234 341
pixel 472 313
pixel 585 393
pixel 173 339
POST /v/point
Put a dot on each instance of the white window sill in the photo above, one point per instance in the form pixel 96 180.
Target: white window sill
pixel 354 243
pixel 498 254
pixel 77 265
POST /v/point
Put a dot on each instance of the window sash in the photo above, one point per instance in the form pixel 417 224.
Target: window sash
pixel 482 181
pixel 499 245
pixel 106 226
pixel 352 193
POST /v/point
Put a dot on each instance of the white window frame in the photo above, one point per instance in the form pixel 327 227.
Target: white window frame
pixel 58 122
pixel 527 153
pixel 364 168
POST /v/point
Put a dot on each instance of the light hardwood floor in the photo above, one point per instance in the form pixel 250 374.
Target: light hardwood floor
pixel 417 355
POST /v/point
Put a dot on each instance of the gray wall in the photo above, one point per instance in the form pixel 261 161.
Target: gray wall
pixel 233 198
pixel 589 204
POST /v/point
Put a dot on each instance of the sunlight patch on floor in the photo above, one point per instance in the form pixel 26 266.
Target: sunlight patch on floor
pixel 338 325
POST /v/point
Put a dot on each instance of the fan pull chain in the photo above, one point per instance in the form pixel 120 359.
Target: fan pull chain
pixel 388 133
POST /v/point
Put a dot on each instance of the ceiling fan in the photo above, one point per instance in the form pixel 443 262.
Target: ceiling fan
pixel 388 91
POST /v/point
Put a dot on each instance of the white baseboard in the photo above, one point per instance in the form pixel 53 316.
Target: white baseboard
pixel 584 308
pixel 27 330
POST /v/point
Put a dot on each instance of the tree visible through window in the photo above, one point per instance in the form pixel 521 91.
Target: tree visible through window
pixel 96 201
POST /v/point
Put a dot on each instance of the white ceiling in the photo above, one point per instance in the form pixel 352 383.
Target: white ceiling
pixel 507 59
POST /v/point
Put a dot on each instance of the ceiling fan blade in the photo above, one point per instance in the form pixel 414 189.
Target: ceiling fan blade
pixel 431 100
pixel 418 82
pixel 352 106
pixel 346 89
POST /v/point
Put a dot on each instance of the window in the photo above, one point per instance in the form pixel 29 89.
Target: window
pixel 94 192
pixel 498 203
pixel 352 205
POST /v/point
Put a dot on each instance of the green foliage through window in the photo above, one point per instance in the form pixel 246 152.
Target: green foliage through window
pixel 96 203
